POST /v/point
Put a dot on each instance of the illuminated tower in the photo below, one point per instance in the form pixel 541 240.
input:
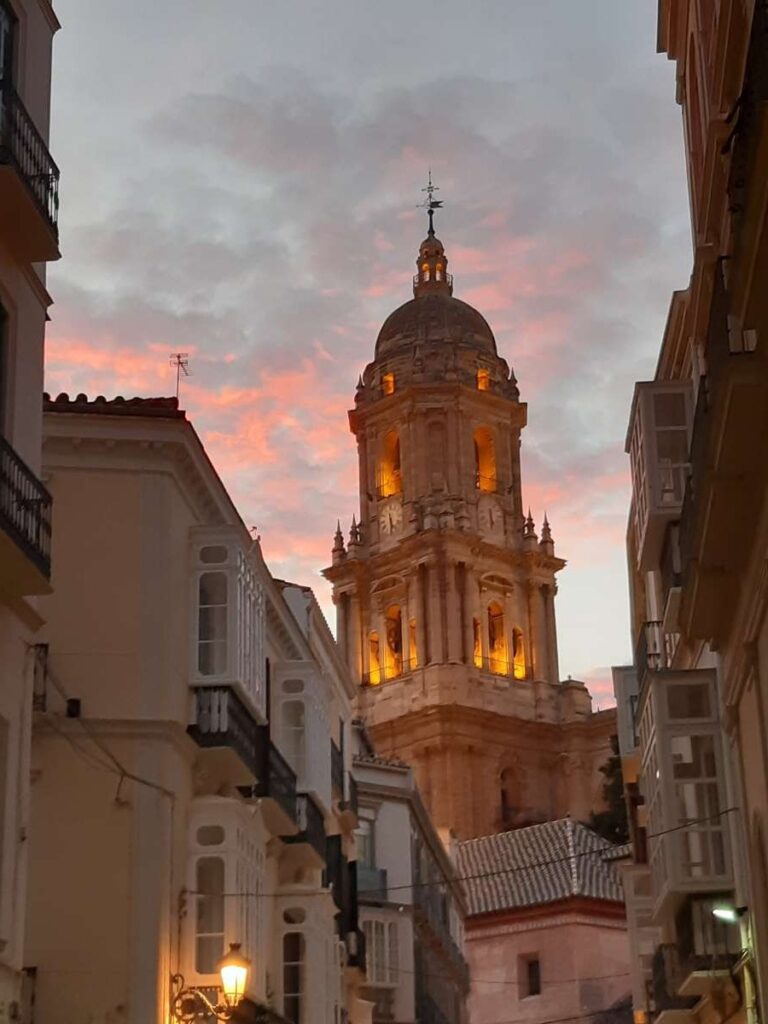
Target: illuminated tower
pixel 444 592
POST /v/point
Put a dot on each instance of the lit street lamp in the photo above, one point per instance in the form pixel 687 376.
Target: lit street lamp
pixel 191 1004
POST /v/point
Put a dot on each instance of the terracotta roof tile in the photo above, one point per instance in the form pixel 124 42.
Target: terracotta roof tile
pixel 163 408
pixel 535 865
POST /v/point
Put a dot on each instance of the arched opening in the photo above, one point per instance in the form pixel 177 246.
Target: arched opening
pixel 425 271
pixel 477 644
pixel 497 640
pixel 388 383
pixel 413 649
pixel 485 460
pixel 518 654
pixel 374 663
pixel 436 448
pixel 483 380
pixel 390 479
pixel 393 652
pixel 439 272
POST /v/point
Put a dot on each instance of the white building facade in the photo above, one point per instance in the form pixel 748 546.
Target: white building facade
pixel 190 756
pixel 29 182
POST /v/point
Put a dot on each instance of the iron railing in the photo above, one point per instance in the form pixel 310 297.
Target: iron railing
pixel 494 666
pixel 337 770
pixel 25 508
pixel 666 976
pixel 371 883
pixel 22 146
pixel 277 780
pixel 391 487
pixel 311 825
pixel 487 484
pixel 221 719
pixel 386 673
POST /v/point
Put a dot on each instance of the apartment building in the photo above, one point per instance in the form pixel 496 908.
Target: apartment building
pixel 693 730
pixel 412 906
pixel 29 181
pixel 191 747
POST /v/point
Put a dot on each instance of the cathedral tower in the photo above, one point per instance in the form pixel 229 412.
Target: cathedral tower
pixel 445 595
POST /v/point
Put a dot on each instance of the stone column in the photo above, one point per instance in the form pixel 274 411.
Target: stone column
pixel 548 594
pixel 434 613
pixel 355 638
pixel 470 612
pixel 421 615
pixel 509 625
pixel 533 648
pixel 342 624
pixel 453 614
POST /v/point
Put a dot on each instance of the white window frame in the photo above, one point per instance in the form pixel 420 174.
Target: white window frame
pixel 382 950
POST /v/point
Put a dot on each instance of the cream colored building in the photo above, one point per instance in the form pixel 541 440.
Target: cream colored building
pixel 412 905
pixel 444 591
pixel 28 239
pixel 191 747
pixel 694 723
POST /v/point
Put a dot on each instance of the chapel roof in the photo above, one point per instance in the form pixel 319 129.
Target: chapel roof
pixel 537 865
pixel 436 316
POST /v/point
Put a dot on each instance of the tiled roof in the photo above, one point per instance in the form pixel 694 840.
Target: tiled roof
pixel 377 759
pixel 536 865
pixel 164 408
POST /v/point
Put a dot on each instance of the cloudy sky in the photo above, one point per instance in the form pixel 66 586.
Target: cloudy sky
pixel 240 180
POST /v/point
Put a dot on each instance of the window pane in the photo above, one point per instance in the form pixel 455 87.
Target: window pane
pixel 213 588
pixel 213 623
pixel 213 554
pixel 210 835
pixel 209 949
pixel 212 658
pixel 669 409
pixel 672 445
pixel 689 700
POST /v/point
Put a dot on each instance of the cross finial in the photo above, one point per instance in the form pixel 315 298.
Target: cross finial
pixel 431 204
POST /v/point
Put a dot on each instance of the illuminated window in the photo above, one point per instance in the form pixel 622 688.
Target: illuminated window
pixel 293 976
pixel 413 650
pixel 485 460
pixel 388 383
pixel 439 272
pixel 209 919
pixel 212 624
pixel 477 646
pixel 425 271
pixel 374 663
pixel 390 479
pixel 518 654
pixel 393 652
pixel 497 640
pixel 483 380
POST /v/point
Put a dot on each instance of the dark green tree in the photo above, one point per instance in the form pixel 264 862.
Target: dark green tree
pixel 612 823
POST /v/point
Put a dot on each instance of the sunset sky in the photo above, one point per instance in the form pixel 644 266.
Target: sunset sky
pixel 240 180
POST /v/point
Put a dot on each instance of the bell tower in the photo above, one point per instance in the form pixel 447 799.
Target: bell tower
pixel 444 592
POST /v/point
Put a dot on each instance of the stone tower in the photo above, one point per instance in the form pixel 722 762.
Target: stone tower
pixel 445 595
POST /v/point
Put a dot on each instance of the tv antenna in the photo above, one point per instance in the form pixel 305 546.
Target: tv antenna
pixel 181 361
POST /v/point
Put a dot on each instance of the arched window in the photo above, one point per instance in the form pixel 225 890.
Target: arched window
pixel 439 272
pixel 388 383
pixel 413 649
pixel 497 640
pixel 393 652
pixel 425 271
pixel 483 380
pixel 374 662
pixel 485 460
pixel 477 644
pixel 390 480
pixel 518 654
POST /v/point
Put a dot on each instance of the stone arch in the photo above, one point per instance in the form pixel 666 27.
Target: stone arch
pixel 485 459
pixel 389 479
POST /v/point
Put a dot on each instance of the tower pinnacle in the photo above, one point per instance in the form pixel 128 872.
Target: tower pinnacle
pixel 432 276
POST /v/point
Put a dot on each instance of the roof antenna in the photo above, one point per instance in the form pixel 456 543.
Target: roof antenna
pixel 181 361
pixel 431 204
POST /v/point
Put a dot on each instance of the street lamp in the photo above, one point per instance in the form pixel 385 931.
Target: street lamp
pixel 191 1004
pixel 728 913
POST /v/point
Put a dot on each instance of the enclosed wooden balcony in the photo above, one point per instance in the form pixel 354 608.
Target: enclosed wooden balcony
pixel 25 528
pixel 230 738
pixel 29 183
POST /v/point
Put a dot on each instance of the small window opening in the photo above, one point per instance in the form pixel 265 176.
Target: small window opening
pixel 393 653
pixel 497 640
pixel 477 646
pixel 485 460
pixel 483 380
pixel 530 975
pixel 390 478
pixel 374 664
pixel 388 383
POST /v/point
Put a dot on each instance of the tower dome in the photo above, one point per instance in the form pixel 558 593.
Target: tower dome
pixel 433 314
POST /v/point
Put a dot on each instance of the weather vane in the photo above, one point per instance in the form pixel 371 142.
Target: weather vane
pixel 431 204
pixel 181 361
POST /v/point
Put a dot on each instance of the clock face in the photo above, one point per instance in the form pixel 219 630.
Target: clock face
pixel 391 518
pixel 490 517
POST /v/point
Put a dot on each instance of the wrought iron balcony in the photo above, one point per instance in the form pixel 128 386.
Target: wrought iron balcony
pixel 337 770
pixel 29 182
pixel 666 976
pixel 222 723
pixel 371 883
pixel 276 782
pixel 25 518
pixel 311 826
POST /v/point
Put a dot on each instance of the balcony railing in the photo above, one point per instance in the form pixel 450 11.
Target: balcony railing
pixel 666 977
pixel 487 484
pixel 25 508
pixel 430 904
pixel 390 486
pixel 311 825
pixel 495 665
pixel 371 883
pixel 386 673
pixel 337 770
pixel 222 720
pixel 428 1012
pixel 22 145
pixel 277 780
